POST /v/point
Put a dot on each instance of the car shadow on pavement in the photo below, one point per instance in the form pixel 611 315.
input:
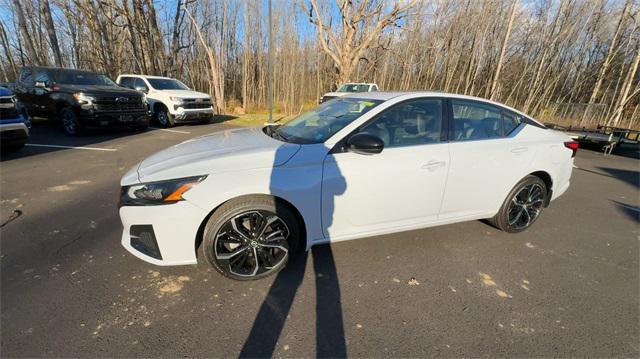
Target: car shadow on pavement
pixel 267 327
pixel 272 315
pixel 633 212
pixel 47 136
pixel 628 176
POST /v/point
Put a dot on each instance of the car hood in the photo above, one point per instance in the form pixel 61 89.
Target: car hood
pixel 100 90
pixel 185 93
pixel 231 150
pixel 5 92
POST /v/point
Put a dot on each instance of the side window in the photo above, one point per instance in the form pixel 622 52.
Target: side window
pixel 510 121
pixel 26 76
pixel 126 82
pixel 140 83
pixel 410 123
pixel 475 121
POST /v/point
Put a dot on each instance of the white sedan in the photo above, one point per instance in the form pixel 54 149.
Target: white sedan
pixel 357 166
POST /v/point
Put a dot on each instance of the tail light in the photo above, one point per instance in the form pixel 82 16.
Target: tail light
pixel 573 146
pixel 55 88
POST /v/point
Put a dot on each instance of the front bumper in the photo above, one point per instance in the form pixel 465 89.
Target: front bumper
pixel 13 132
pixel 173 226
pixel 197 114
pixel 93 118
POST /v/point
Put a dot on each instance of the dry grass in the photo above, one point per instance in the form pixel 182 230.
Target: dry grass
pixel 250 119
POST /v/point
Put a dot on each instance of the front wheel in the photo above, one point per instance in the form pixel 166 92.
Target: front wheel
pixel 70 123
pixel 164 117
pixel 250 238
pixel 523 205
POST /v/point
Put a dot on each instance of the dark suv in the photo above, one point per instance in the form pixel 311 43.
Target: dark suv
pixel 80 99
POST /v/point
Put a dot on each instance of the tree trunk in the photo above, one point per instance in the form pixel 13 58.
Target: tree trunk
pixel 51 31
pixel 626 88
pixel 26 37
pixel 496 76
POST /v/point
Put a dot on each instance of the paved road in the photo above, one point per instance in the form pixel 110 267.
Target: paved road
pixel 567 287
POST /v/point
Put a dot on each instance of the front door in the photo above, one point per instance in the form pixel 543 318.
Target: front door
pixel 399 188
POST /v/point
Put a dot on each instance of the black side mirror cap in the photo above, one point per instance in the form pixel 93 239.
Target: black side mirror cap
pixel 365 144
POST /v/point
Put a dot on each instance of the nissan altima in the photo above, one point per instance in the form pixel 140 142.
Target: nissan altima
pixel 367 164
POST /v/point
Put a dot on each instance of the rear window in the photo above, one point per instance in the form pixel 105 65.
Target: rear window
pixel 26 76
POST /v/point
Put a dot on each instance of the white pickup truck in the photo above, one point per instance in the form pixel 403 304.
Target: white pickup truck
pixel 170 101
pixel 349 88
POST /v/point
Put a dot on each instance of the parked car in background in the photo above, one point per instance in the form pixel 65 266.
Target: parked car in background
pixel 8 85
pixel 349 88
pixel 80 99
pixel 357 166
pixel 15 124
pixel 170 101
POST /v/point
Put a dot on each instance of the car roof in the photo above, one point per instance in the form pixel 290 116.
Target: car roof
pixel 49 68
pixel 147 76
pixel 386 96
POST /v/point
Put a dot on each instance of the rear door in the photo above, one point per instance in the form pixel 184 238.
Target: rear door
pixel 399 188
pixel 487 158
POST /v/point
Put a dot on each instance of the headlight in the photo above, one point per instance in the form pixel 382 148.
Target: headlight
pixel 177 100
pixel 83 99
pixel 155 193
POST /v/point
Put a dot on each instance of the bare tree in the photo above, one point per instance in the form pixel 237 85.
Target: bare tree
pixel 362 22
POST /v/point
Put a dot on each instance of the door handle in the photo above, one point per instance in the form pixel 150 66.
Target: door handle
pixel 432 165
pixel 518 150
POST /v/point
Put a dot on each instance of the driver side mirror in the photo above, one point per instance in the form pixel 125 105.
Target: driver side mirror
pixel 365 144
pixel 142 89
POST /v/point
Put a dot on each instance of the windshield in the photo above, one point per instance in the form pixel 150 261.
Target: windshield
pixel 82 78
pixel 353 88
pixel 167 84
pixel 317 125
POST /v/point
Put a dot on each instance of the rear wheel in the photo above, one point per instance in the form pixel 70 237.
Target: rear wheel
pixel 70 123
pixel 250 238
pixel 523 205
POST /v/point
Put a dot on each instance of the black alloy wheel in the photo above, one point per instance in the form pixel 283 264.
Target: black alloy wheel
pixel 251 237
pixel 252 244
pixel 523 205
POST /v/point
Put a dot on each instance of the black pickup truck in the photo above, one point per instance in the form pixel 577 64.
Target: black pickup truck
pixel 80 99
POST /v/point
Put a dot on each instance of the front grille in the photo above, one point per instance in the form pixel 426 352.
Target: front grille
pixel 6 100
pixel 192 105
pixel 119 104
pixel 6 113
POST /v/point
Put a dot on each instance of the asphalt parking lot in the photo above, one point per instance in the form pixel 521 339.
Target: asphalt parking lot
pixel 567 287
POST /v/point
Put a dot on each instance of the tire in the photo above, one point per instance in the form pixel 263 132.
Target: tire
pixel 231 249
pixel 164 117
pixel 70 124
pixel 523 205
